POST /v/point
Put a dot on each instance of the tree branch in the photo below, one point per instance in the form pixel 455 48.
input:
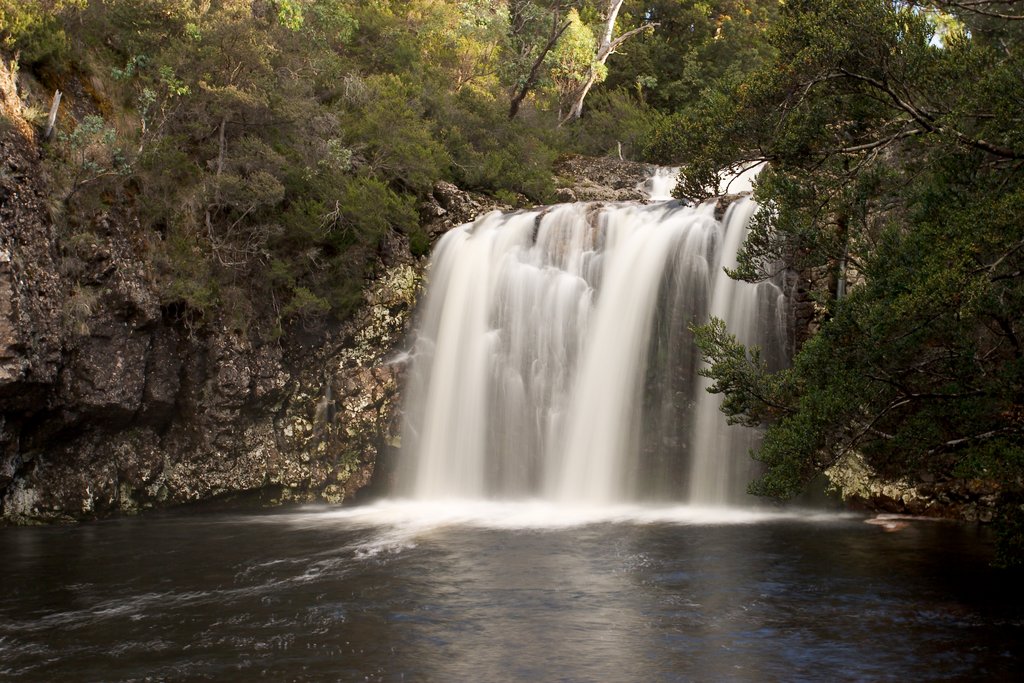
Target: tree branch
pixel 880 143
pixel 629 34
pixel 956 443
pixel 927 121
pixel 531 79
pixel 975 7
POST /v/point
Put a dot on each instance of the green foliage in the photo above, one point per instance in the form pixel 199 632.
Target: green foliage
pixel 572 59
pixel 33 28
pixel 899 157
pixel 92 155
pixel 753 395
pixel 699 133
pixel 694 45
pixel 189 273
pixel 1009 527
pixel 617 121
pixel 289 14
pixel 419 242
pixel 331 23
pixel 366 210
pixel 292 136
pixel 385 112
pixel 490 152
pixel 305 304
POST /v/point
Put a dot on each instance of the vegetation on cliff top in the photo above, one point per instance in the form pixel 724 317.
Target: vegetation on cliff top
pixel 267 147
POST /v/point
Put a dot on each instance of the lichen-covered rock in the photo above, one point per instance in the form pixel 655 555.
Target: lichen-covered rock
pixel 860 486
pixel 448 207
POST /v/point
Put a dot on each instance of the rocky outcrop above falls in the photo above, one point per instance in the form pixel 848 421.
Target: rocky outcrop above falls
pixel 600 179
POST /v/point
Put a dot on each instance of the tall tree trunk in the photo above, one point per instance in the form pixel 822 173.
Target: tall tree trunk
pixel 534 74
pixel 605 48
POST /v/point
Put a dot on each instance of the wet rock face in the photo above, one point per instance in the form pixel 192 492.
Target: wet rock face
pixel 143 412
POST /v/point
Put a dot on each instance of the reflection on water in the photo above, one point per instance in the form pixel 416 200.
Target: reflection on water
pixel 504 592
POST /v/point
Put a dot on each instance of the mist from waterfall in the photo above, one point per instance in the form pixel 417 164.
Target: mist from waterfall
pixel 554 359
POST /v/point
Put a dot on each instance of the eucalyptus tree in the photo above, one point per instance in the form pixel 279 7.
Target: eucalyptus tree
pixel 607 41
pixel 694 45
pixel 534 29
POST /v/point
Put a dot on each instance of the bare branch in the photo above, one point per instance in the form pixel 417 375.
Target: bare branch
pixel 629 34
pixel 956 443
pixel 980 7
pixel 880 143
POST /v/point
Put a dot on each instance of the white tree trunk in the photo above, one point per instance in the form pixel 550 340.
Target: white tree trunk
pixel 51 120
pixel 605 48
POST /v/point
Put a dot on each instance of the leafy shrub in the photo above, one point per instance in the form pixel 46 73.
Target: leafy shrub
pixel 419 242
pixel 387 125
pixel 616 121
pixel 305 304
pixel 33 28
pixel 188 274
pixel 91 157
pixel 491 152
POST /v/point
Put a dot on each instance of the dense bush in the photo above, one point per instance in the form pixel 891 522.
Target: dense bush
pixel 895 161
pixel 33 28
pixel 292 137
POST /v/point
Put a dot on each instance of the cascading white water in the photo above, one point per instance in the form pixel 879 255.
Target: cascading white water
pixel 554 358
pixel 756 314
pixel 661 183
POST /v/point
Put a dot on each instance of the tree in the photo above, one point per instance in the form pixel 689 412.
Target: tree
pixel 518 12
pixel 606 44
pixel 897 158
pixel 571 62
pixel 695 45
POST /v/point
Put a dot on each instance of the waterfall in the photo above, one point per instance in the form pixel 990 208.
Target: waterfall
pixel 553 357
pixel 661 183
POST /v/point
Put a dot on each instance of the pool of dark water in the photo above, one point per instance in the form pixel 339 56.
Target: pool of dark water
pixel 505 592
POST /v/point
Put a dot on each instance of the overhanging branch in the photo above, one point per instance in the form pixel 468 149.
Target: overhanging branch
pixel 927 121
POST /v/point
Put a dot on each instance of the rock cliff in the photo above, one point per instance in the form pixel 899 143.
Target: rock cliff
pixel 112 401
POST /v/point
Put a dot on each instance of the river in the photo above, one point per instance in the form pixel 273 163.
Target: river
pixel 399 591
